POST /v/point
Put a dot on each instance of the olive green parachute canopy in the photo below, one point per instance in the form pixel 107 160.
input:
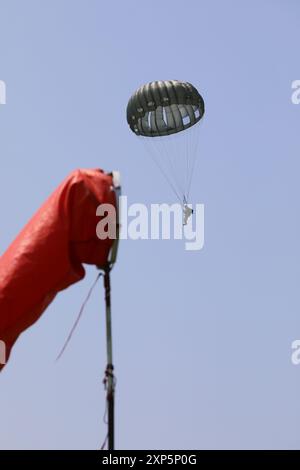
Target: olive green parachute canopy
pixel 163 108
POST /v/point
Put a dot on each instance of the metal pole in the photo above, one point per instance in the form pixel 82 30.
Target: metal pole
pixel 109 373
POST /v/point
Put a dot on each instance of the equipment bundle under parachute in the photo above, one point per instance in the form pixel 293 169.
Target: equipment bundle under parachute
pixel 158 112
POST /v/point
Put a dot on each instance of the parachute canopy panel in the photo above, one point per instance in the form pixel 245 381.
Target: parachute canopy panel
pixel 163 108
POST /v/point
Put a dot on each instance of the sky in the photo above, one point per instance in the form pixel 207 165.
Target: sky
pixel 202 339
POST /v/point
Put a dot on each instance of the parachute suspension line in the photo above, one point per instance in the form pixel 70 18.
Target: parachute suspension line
pixel 191 155
pixel 187 156
pixel 78 317
pixel 155 160
pixel 168 180
pixel 171 163
pixel 194 151
pixel 160 152
pixel 172 139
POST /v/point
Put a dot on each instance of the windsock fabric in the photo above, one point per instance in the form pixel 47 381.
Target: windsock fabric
pixel 49 253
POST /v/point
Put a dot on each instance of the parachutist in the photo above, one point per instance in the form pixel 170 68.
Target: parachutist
pixel 187 212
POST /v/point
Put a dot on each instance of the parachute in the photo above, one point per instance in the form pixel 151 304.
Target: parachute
pixel 49 253
pixel 164 115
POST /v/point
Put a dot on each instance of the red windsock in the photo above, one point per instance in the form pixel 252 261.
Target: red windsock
pixel 48 255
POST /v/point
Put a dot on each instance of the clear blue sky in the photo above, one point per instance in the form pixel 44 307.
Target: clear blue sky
pixel 202 340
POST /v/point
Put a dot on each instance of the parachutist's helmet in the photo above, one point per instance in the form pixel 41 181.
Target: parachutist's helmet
pixel 163 108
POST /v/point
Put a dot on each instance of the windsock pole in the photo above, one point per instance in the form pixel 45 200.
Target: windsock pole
pixel 109 373
pixel 109 380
